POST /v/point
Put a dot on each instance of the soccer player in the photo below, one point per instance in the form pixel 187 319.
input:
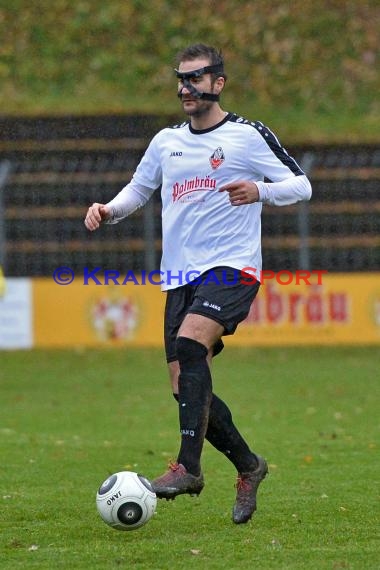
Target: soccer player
pixel 216 171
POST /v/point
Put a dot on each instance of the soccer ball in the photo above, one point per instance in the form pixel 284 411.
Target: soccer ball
pixel 126 500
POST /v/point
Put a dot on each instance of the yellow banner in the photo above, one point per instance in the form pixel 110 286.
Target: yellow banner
pixel 342 309
pixel 91 315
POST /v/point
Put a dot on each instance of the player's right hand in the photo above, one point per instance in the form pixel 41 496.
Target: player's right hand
pixel 95 216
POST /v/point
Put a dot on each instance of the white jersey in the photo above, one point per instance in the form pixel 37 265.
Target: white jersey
pixel 200 228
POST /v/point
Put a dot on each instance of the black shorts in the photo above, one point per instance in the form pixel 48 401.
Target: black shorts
pixel 217 294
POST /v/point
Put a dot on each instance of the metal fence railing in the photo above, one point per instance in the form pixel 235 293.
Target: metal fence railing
pixel 5 167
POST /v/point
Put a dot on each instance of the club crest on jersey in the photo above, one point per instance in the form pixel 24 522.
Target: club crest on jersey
pixel 217 158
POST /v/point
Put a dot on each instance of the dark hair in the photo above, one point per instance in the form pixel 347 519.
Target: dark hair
pixel 199 51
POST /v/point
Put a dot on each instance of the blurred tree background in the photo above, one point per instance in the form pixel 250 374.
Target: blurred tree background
pixel 309 69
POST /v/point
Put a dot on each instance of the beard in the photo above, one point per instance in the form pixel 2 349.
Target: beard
pixel 198 109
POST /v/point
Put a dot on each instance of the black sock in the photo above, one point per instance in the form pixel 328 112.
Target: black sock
pixel 195 392
pixel 224 436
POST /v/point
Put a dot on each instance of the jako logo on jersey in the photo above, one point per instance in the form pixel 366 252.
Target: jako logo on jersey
pixel 217 158
pixel 193 185
pixel 176 153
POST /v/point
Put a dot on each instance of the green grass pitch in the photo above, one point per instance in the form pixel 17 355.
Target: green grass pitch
pixel 70 418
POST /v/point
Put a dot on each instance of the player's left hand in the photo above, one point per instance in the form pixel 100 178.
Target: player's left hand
pixel 241 192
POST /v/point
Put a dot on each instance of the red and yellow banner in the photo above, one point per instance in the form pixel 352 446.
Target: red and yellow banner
pixel 342 309
pixel 93 315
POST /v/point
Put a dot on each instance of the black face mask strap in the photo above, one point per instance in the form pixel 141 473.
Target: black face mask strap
pixel 187 76
pixel 190 87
